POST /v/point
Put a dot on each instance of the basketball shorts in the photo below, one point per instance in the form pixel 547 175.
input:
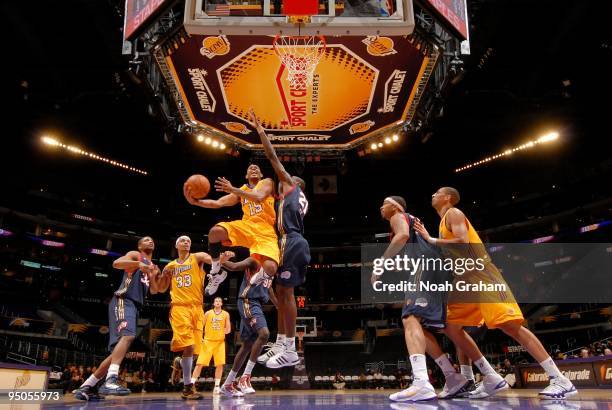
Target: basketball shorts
pixel 294 258
pixel 214 349
pixel 187 323
pixel 429 306
pixel 251 319
pixel 258 236
pixel 491 314
pixel 122 319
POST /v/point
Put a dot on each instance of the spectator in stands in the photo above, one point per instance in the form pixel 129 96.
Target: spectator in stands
pixel 339 381
pixel 362 380
pixel 75 379
pixel 378 379
pixel 275 381
pixel 607 351
pixel 584 353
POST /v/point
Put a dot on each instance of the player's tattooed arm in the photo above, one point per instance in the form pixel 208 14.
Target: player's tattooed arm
pixel 226 200
pixel 257 195
pixel 401 234
pixel 270 152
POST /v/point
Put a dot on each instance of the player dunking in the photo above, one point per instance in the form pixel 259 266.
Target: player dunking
pixel 185 278
pixel 216 326
pixel 254 331
pixel 422 310
pixel 291 208
pixel 123 318
pixel 255 231
pixel 455 229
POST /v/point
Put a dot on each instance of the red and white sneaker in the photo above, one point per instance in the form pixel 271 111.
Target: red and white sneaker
pixel 231 390
pixel 244 384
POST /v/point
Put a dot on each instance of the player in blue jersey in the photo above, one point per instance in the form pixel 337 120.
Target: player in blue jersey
pixel 138 270
pixel 255 290
pixel 422 310
pixel 291 207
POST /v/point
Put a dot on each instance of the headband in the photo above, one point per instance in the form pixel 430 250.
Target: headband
pixel 394 202
pixel 181 237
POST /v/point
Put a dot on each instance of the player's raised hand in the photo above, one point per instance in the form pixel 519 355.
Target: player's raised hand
pixel 223 185
pixel 144 268
pixel 188 196
pixel 254 119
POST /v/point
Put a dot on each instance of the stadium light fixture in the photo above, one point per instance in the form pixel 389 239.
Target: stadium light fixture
pixel 77 150
pixel 552 136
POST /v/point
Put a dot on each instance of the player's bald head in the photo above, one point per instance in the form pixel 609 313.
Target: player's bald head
pixel 452 193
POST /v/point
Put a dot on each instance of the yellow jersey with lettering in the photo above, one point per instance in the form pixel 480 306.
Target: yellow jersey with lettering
pixel 187 284
pixel 258 211
pixel 214 328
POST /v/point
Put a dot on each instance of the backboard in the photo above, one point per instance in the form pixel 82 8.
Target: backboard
pixel 306 324
pixel 267 17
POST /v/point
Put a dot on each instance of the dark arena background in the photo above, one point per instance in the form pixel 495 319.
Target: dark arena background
pixel 110 105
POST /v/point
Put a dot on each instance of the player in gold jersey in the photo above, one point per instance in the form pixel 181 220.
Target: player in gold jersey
pixel 503 313
pixel 216 326
pixel 254 231
pixel 185 278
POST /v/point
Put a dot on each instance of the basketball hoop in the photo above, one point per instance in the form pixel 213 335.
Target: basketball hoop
pixel 300 56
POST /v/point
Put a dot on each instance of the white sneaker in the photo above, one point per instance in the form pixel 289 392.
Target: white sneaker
pixel 418 391
pixel 454 384
pixel 214 280
pixel 244 384
pixel 231 390
pixel 491 384
pixel 216 391
pixel 273 351
pixel 286 358
pixel 558 389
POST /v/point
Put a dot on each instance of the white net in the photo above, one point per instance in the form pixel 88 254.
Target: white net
pixel 300 56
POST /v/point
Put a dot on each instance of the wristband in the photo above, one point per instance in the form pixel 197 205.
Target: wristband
pixel 433 240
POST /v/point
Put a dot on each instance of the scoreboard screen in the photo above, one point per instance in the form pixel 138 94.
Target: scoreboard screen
pixel 137 12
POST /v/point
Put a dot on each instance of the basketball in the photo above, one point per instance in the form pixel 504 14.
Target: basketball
pixel 199 185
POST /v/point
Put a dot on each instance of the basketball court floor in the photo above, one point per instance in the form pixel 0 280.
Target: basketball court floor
pixel 347 399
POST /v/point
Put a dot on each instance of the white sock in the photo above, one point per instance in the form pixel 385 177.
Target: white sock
pixel 290 343
pixel 91 381
pixel 484 366
pixel 419 367
pixel 186 363
pixel 249 368
pixel 467 371
pixel 193 380
pixel 217 382
pixel 551 368
pixel 215 267
pixel 445 365
pixel 230 377
pixel 113 370
pixel 280 339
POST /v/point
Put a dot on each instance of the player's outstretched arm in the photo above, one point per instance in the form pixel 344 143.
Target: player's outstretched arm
pixel 203 257
pixel 257 195
pixel 130 261
pixel 457 224
pixel 248 263
pixel 273 297
pixel 226 200
pixel 163 279
pixel 270 152
pixel 153 282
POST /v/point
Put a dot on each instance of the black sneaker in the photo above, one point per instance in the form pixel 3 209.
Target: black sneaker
pixel 111 387
pixel 87 393
pixel 465 391
pixel 190 393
